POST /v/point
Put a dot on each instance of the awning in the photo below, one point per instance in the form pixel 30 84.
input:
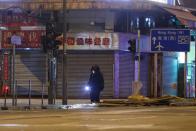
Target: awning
pixel 183 15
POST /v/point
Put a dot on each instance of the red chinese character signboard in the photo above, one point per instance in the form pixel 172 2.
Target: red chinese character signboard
pixel 91 41
pixel 106 41
pixel 5 87
pixel 70 40
pixel 29 38
pixel 80 41
pixel 88 41
pixel 97 41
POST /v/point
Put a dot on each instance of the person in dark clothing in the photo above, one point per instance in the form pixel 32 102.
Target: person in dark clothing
pixel 96 83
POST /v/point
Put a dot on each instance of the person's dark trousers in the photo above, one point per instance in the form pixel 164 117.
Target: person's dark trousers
pixel 95 96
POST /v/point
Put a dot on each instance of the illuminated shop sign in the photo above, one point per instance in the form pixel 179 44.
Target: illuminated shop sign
pixel 88 41
pixel 97 41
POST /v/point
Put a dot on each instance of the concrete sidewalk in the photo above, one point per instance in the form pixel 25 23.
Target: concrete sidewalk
pixel 36 103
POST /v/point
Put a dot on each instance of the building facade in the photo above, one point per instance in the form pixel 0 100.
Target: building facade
pixel 98 33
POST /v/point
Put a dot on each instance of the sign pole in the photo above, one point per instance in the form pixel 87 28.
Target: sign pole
pixel 138 55
pixel 64 59
pixel 136 85
pixel 185 76
pixel 194 64
pixel 155 74
pixel 13 73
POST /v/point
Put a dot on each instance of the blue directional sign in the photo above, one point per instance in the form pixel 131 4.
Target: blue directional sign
pixel 177 40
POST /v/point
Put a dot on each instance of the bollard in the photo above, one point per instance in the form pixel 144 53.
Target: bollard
pixel 54 93
pixel 5 103
pixel 5 100
pixel 5 91
pixel 42 95
pixel 42 103
pixel 29 94
pixel 16 89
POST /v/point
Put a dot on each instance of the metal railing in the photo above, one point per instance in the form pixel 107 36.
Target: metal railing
pixel 14 97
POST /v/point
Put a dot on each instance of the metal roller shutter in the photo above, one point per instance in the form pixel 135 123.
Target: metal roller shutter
pixel 30 65
pixel 126 74
pixel 144 73
pixel 79 65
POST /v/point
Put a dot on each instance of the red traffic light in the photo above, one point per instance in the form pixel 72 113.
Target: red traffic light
pixel 5 89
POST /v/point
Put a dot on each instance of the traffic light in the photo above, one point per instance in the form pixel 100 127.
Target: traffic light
pixel 49 41
pixel 132 45
pixel 44 43
pixel 50 28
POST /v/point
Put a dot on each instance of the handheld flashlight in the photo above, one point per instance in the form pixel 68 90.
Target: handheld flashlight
pixel 87 88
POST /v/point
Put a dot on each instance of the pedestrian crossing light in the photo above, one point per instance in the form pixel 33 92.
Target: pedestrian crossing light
pixel 132 45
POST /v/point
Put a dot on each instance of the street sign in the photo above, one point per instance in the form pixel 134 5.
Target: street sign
pixel 177 40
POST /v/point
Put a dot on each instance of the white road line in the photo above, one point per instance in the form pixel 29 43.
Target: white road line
pixel 13 125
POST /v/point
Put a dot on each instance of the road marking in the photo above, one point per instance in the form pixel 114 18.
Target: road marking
pixel 90 126
pixel 121 119
pixel 116 112
pixel 13 125
pixel 136 126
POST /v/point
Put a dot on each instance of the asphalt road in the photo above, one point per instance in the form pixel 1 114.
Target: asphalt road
pixel 101 119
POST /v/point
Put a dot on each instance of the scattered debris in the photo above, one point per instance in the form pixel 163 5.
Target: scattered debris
pixel 145 101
